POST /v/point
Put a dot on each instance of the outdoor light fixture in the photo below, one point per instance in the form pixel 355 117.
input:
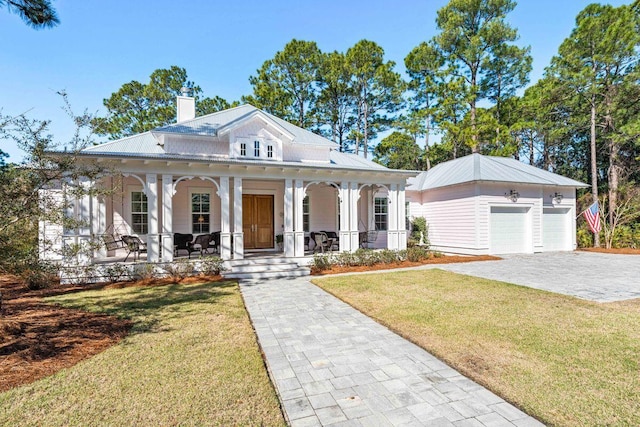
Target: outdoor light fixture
pixel 200 219
pixel 557 198
pixel 512 195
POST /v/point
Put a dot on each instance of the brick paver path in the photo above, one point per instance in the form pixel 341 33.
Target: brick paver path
pixel 332 365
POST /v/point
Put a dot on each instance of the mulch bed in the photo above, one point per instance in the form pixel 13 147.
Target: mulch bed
pixel 622 251
pixel 39 339
pixel 441 260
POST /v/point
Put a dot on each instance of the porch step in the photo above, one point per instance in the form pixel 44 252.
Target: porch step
pixel 272 268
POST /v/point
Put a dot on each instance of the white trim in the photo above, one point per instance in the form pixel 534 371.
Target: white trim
pixel 199 190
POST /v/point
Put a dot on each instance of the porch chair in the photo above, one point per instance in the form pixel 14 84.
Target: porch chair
pixel 111 243
pixel 322 241
pixel 135 245
pixel 214 243
pixel 200 244
pixel 181 242
pixel 333 238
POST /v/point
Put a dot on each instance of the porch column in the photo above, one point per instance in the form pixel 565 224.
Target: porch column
pixel 392 212
pixel 353 216
pixel 402 214
pixel 167 218
pixel 238 236
pixel 153 239
pixel 345 236
pixel 289 241
pixel 83 212
pixel 299 222
pixel 98 223
pixel 225 234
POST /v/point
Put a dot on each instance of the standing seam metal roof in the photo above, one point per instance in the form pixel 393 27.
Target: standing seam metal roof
pixel 476 167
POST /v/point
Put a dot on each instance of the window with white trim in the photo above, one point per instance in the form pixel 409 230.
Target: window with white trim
pixel 139 213
pixel 200 212
pixel 407 216
pixel 381 209
pixel 306 214
pixel 243 148
pixel 270 151
pixel 256 148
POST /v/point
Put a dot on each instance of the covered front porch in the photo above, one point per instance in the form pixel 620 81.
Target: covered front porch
pixel 252 210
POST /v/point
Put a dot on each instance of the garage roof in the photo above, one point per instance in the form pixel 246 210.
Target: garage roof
pixel 476 167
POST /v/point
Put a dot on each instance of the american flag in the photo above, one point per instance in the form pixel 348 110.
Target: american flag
pixel 592 215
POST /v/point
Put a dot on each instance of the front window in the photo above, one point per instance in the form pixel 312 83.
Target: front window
pixel 256 148
pixel 270 151
pixel 243 148
pixel 139 214
pixel 305 214
pixel 200 212
pixel 381 208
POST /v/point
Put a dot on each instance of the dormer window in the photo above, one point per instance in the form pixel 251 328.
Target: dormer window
pixel 270 151
pixel 243 149
pixel 256 148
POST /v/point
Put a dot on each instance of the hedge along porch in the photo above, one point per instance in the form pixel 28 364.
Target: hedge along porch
pixel 246 174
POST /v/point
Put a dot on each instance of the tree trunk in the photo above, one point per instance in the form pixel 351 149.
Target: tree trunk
pixel 614 168
pixel 426 141
pixel 365 136
pixel 474 134
pixel 594 164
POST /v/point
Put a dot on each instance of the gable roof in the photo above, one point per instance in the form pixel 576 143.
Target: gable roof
pixel 215 123
pixel 476 167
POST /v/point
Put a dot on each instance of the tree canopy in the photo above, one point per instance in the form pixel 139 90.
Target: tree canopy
pixel 35 13
pixel 138 107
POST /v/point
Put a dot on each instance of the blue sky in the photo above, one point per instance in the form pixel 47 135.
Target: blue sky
pixel 99 46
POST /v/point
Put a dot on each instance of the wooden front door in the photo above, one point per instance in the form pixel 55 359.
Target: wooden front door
pixel 257 221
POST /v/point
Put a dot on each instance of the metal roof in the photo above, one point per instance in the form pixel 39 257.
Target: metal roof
pixel 476 167
pixel 142 143
pixel 211 124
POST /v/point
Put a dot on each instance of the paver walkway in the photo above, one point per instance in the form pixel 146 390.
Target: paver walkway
pixel 332 365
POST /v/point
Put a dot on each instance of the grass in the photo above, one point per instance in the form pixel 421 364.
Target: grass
pixel 191 359
pixel 562 360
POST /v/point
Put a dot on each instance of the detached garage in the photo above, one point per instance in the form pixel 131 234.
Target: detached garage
pixel 495 205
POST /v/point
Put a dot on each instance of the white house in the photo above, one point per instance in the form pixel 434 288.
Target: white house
pixel 243 173
pixel 494 205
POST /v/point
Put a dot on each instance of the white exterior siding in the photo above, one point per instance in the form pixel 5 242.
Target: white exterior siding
pixel 195 145
pixel 451 217
pixel 323 208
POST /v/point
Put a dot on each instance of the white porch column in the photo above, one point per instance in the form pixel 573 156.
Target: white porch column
pixel 98 223
pixel 353 216
pixel 238 235
pixel 402 214
pixel 83 214
pixel 153 239
pixel 392 212
pixel 345 236
pixel 299 222
pixel 289 241
pixel 167 218
pixel 225 234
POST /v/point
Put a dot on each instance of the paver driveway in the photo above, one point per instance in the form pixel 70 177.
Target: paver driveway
pixel 587 275
pixel 332 365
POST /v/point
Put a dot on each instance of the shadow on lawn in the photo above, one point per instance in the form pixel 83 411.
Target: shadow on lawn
pixel 149 307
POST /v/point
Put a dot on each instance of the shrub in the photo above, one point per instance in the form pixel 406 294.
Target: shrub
pixel 39 275
pixel 366 257
pixel 345 259
pixel 116 272
pixel 417 254
pixel 419 225
pixel 387 256
pixel 178 269
pixel 143 271
pixel 211 266
pixel 320 262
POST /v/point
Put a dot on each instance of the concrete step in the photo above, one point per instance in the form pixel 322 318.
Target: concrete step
pixel 251 268
pixel 268 274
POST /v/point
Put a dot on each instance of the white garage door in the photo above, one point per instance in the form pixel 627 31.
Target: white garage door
pixel 555 230
pixel 509 231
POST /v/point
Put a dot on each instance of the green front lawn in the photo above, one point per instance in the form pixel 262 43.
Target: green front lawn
pixel 191 359
pixel 563 360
